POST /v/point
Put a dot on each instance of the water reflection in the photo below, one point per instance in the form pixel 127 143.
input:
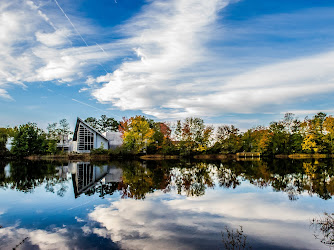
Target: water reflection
pixel 91 179
pixel 137 179
pixel 25 176
pixel 324 229
pixel 234 239
pixel 134 179
pixel 167 205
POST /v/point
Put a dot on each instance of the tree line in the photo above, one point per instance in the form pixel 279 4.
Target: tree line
pixel 29 139
pixel 190 136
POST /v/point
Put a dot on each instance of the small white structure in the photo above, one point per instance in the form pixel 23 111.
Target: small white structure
pixel 114 139
pixel 86 138
pixel 9 143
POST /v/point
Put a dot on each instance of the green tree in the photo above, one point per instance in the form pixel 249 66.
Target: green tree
pixel 92 121
pixel 107 124
pixel 29 140
pixel 64 129
pixel 52 131
pixel 279 139
pixel 104 124
pixel 51 146
pixel 229 139
pixel 3 141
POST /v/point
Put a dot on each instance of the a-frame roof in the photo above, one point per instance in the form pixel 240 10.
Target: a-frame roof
pixel 87 125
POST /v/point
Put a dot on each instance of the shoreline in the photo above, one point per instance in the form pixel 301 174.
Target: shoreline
pixel 159 157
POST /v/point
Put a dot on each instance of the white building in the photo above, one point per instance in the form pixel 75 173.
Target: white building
pixel 86 138
pixel 9 143
pixel 114 139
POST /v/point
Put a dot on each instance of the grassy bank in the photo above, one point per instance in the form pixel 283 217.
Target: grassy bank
pixel 106 157
pixel 69 157
pixel 305 156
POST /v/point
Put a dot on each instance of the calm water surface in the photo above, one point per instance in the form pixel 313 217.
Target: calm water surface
pixel 166 205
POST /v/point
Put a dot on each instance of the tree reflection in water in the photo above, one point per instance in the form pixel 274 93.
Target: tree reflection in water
pixel 25 176
pixel 325 226
pixel 234 239
pixel 227 178
pixel 193 180
pixel 137 179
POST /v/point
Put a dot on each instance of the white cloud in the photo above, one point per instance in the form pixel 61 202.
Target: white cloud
pixel 178 69
pixel 168 221
pixel 178 75
pixel 169 38
pixel 12 236
pixel 57 38
pixel 4 94
pixel 37 47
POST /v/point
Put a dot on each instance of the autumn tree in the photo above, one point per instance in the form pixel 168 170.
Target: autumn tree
pixel 192 129
pixel 206 138
pixel 178 131
pixel 137 133
pixel 329 128
pixel 315 139
pixel 309 144
pixel 161 139
pixel 229 138
pixel 262 138
pixel 195 135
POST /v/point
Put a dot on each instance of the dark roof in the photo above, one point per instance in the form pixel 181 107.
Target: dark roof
pixel 87 125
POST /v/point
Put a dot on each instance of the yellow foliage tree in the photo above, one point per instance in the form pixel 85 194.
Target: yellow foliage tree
pixel 329 127
pixel 264 137
pixel 309 143
pixel 138 134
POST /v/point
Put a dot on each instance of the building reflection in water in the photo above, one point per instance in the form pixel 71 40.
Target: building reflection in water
pixel 88 179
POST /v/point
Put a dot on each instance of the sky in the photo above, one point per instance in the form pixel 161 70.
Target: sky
pixel 241 62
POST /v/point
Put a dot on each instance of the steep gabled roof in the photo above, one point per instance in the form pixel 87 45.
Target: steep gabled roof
pixel 87 125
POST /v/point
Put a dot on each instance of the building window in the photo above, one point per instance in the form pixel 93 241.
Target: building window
pixel 86 138
pixel 84 175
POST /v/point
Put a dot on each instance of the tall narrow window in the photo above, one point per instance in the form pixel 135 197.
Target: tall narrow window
pixel 85 138
pixel 84 175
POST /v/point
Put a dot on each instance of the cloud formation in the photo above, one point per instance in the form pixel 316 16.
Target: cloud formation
pixel 168 38
pixel 168 61
pixel 168 221
pixel 12 236
pixel 177 73
pixel 38 47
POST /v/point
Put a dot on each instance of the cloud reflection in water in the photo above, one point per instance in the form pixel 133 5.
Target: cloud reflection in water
pixel 169 221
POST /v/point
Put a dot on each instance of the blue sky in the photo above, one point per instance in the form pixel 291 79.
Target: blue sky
pixel 236 62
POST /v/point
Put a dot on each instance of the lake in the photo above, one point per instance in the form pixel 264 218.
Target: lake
pixel 278 204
